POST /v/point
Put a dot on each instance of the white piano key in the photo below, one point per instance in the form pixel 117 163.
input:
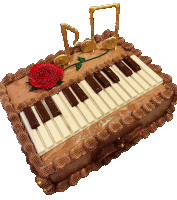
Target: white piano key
pixel 118 89
pixel 51 126
pixel 33 135
pixel 106 97
pixel 139 80
pixel 62 126
pixel 103 107
pixel 93 108
pixel 147 69
pixel 123 83
pixel 42 130
pixel 145 75
pixel 54 132
pixel 68 117
pixel 87 114
pixel 114 96
pixel 147 78
pixel 81 121
pixel 107 100
pixel 64 131
pixel 131 82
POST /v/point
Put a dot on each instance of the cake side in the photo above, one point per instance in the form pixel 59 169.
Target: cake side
pixel 44 171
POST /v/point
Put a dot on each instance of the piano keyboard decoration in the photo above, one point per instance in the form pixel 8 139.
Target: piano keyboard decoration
pixel 77 107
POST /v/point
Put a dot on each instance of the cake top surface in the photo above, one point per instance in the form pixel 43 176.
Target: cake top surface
pixel 19 89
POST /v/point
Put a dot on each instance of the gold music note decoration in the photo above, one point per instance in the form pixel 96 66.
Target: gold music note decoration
pixel 65 58
pixel 109 43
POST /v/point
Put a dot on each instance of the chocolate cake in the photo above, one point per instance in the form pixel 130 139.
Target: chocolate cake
pixel 73 159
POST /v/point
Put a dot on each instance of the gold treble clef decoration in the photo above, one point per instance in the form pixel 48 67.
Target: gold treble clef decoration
pixel 109 43
pixel 65 58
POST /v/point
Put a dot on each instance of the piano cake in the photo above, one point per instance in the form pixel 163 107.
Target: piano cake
pixel 75 111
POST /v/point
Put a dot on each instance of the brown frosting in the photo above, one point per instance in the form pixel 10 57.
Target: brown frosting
pixel 155 68
pixel 127 46
pixel 137 52
pixel 147 60
pixel 98 140
pixel 167 78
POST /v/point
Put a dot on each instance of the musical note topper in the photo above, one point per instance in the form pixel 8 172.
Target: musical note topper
pixel 65 58
pixel 109 43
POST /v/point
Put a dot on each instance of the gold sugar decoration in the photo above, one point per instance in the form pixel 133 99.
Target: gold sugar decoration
pixel 39 183
pixel 122 145
pixel 109 43
pixel 45 190
pixel 65 58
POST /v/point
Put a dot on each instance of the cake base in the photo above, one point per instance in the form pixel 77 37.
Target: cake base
pixel 65 165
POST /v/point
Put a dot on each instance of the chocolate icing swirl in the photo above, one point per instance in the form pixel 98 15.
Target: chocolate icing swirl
pixel 77 152
pixel 49 58
pixel 148 107
pixel 156 68
pixel 62 186
pixel 137 52
pixel 128 46
pixel 161 121
pixel 114 127
pixel 166 78
pixel 127 121
pixel 153 127
pixel 157 100
pixel 166 94
pixel 103 135
pixel 90 143
pixel 74 178
pixel 147 60
pixel 168 117
pixel 9 78
pixel 20 74
pixel 121 40
pixel 138 114
pixel 60 162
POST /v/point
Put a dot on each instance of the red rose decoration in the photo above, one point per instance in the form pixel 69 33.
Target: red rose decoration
pixel 45 75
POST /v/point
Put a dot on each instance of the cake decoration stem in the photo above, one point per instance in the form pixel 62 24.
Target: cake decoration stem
pixel 79 64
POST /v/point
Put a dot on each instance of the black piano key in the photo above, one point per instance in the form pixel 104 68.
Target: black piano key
pixel 93 84
pixel 31 117
pixel 42 112
pixel 123 68
pixel 79 92
pixel 111 74
pixel 132 64
pixel 101 79
pixel 52 107
pixel 70 97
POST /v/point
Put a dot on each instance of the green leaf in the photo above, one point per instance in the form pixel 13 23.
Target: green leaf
pixel 60 82
pixel 78 65
pixel 62 66
pixel 29 83
pixel 33 88
pixel 81 59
